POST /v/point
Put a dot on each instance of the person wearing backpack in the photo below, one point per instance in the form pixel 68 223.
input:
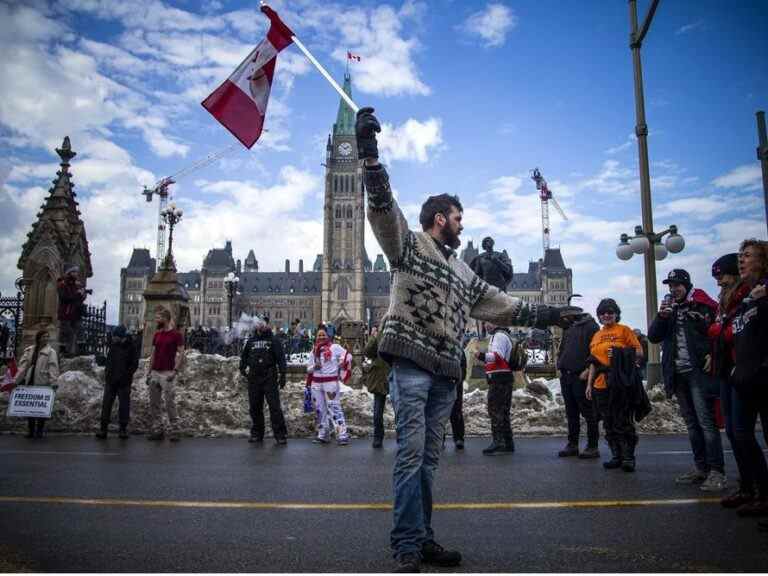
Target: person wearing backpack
pixel 498 372
pixel 262 362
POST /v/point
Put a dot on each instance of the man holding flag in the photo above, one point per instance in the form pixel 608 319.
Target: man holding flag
pixel 433 296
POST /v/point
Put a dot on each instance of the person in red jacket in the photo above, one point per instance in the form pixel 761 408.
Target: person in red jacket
pixel 72 294
pixel 747 378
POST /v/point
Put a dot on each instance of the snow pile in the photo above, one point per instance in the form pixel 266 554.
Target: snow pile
pixel 212 400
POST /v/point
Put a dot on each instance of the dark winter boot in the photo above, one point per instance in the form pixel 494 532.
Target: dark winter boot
pixel 40 432
pixel 433 553
pixel 589 452
pixel 493 448
pixel 30 428
pixel 615 461
pixel 628 456
pixel 509 444
pixel 378 442
pixel 408 563
pixel 571 449
pixel 102 433
pixel 123 434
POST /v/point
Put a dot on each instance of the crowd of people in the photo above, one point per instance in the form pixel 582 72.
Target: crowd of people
pixel 714 362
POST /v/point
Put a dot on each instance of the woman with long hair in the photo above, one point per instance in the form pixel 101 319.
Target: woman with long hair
pixel 328 366
pixel 39 366
pixel 725 271
pixel 747 380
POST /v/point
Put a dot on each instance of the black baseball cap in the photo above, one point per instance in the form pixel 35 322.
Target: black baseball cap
pixel 678 276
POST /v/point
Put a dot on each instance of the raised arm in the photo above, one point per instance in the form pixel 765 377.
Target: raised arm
pixel 387 221
pixel 492 305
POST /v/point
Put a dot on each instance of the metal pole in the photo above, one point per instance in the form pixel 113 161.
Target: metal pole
pixel 325 74
pixel 641 130
pixel 762 155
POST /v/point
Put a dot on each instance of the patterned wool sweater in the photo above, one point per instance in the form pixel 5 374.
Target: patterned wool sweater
pixel 432 297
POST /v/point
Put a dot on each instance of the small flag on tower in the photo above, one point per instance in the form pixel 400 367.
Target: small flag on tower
pixel 240 103
pixel 351 56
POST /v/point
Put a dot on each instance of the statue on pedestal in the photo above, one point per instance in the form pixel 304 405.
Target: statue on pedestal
pixel 493 267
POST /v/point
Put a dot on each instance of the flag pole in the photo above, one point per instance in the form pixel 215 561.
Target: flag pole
pixel 324 72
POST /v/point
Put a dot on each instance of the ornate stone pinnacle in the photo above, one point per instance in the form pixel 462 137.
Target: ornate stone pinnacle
pixel 65 152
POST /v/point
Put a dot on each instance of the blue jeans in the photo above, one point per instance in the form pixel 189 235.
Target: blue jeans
pixel 422 403
pixel 697 407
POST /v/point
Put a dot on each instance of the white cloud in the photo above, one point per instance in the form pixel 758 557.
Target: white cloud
pixel 689 27
pixel 386 67
pixel 412 140
pixel 491 25
pixel 748 176
pixel 621 147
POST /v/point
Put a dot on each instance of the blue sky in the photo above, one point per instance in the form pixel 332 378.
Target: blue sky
pixel 473 95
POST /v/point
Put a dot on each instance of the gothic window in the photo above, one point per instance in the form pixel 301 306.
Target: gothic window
pixel 349 224
pixel 343 292
pixel 338 212
pixel 349 211
pixel 335 183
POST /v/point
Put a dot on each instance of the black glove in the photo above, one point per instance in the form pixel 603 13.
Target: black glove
pixel 281 383
pixel 555 316
pixel 366 127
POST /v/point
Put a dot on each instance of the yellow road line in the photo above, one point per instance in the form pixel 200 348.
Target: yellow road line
pixel 222 504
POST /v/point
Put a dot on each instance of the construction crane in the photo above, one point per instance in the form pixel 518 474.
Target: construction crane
pixel 546 196
pixel 161 191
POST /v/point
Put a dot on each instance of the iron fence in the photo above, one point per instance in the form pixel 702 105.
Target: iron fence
pixel 11 324
pixel 92 331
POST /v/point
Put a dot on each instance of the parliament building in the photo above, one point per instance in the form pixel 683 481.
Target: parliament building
pixel 342 284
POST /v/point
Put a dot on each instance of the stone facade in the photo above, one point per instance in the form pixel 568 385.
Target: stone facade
pixel 57 240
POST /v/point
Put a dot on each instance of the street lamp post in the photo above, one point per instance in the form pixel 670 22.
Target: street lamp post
pixel 171 216
pixel 641 131
pixel 762 155
pixel 231 282
pixel 651 246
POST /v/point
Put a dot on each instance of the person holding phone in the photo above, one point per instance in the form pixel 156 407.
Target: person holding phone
pixel 681 326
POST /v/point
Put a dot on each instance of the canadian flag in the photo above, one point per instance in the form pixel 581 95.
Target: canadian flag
pixel 240 103
pixel 351 56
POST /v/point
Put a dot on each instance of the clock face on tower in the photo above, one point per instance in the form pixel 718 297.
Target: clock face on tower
pixel 345 148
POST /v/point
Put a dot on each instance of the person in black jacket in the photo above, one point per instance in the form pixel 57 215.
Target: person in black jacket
pixel 572 363
pixel 681 326
pixel 122 362
pixel 262 362
pixel 749 376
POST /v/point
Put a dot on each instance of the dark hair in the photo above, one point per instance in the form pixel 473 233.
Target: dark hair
pixel 39 335
pixel 607 305
pixel 434 205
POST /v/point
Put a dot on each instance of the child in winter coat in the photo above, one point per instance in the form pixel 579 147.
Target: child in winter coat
pixel 327 367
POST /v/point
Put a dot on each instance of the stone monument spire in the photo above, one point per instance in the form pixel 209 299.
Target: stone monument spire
pixel 57 241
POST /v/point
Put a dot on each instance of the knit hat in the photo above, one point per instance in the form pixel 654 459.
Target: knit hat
pixel 608 305
pixel 728 264
pixel 679 276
